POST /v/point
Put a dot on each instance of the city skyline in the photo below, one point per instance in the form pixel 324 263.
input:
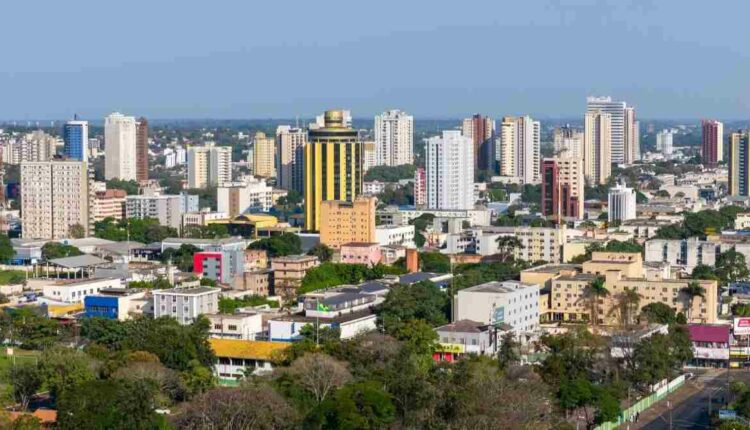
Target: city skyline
pixel 213 73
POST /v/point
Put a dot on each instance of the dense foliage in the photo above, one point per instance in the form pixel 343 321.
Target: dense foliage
pixel 281 245
pixel 332 274
pixel 228 305
pixel 52 250
pixel 139 230
pixel 701 223
pixel 390 173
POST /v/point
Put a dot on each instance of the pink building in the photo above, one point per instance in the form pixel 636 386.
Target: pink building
pixel 360 253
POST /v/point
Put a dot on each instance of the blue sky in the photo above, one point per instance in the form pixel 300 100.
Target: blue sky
pixel 437 59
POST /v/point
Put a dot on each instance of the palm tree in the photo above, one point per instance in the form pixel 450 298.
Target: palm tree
pixel 693 290
pixel 506 245
pixel 594 291
pixel 627 305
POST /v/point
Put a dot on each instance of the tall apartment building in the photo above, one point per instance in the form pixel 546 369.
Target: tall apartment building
pixel 597 164
pixel 369 155
pixel 519 148
pixel 120 147
pixel 166 208
pixel 568 140
pixel 76 140
pixel 481 131
pixel 264 153
pixel 420 187
pixel 333 166
pixel 450 171
pixel 621 136
pixel 290 143
pixel 249 194
pixel 109 203
pixel 739 164
pixel 209 165
pixel 562 187
pixel 344 222
pixel 631 137
pixel 712 142
pixel 664 141
pixel 622 203
pixel 394 138
pixel 34 146
pixel 54 196
pixel 141 149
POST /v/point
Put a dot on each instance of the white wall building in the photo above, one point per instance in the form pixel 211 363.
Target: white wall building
pixel 119 147
pixel 186 304
pixel 209 165
pixel 242 325
pixel 450 171
pixel 618 134
pixel 250 194
pixel 73 291
pixel 510 302
pixel 290 143
pixel 569 141
pixel 54 196
pixel 621 203
pixel 395 235
pixel 664 141
pixel 166 208
pixel 394 138
pixel 519 149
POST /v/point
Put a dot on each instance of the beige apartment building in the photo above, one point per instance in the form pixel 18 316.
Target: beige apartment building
pixel 109 204
pixel 570 180
pixel 209 165
pixel 264 152
pixel 289 271
pixel 597 142
pixel 566 283
pixel 54 196
pixel 345 222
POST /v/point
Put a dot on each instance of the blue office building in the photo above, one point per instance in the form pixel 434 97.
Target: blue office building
pixel 76 138
pixel 101 306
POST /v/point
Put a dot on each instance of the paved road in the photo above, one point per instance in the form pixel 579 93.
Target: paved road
pixel 690 403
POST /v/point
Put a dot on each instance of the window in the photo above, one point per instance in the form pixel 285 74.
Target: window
pixel 217 326
pixel 232 327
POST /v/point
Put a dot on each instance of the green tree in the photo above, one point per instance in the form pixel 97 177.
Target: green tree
pixel 390 173
pixel 435 262
pixel 130 187
pixel 731 266
pixel 691 291
pixel 281 245
pixel 110 404
pixel 626 305
pixel 77 231
pixel 6 248
pixel 52 250
pixel 421 301
pixel 25 380
pixel 360 405
pixel 323 252
pixel 592 293
pixel 181 257
pixel 507 245
pixel 628 246
pixel 703 271
pixel 658 313
pixel 508 354
pixel 63 369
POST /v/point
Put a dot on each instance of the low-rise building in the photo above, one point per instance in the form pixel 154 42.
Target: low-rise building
pixel 202 218
pixel 220 266
pixel 165 208
pixel 258 282
pixel 109 204
pixel 401 215
pixel 114 303
pixel 465 337
pixel 74 291
pixel 510 302
pixel 240 325
pixel 642 228
pixel 345 222
pixel 289 271
pixel 684 253
pixel 360 253
pixel 186 304
pixel 256 259
pixel 391 235
pixel 236 358
pixel 537 243
pixel 710 344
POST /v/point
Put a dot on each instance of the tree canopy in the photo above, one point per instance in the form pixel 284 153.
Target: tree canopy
pixel 281 245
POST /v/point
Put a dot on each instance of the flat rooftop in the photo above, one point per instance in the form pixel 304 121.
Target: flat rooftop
pixel 553 268
pixel 499 287
pixel 188 291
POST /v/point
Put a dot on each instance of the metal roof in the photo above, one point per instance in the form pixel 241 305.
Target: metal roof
pixel 79 261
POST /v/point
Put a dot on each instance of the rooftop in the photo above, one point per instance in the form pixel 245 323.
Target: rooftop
pixel 351 316
pixel 294 258
pixel 709 333
pixel 413 278
pixel 79 261
pixel 464 326
pixel 499 287
pixel 191 241
pixel 189 291
pixel 247 349
pixel 361 244
pixel 553 268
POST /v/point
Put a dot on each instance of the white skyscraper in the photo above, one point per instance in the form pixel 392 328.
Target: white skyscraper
pixel 568 141
pixel 621 203
pixel 664 141
pixel 119 147
pixel 519 148
pixel 394 138
pixel 597 165
pixel 209 165
pixel 450 171
pixel 54 197
pixel 622 124
pixel 290 144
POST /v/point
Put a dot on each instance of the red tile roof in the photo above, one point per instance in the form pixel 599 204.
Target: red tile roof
pixel 708 332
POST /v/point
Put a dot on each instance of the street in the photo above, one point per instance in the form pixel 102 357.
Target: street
pixel 690 403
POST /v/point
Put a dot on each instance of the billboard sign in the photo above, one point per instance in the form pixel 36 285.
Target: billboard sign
pixel 741 326
pixel 498 315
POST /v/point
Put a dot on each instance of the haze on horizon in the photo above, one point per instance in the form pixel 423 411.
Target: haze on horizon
pixel 195 59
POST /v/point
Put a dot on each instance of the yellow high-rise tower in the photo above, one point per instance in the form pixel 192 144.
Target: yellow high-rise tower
pixel 333 166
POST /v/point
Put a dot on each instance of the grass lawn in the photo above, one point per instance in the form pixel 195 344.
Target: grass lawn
pixel 7 275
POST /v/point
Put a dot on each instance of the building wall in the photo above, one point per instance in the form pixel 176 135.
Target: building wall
pixel 597 141
pixel 185 307
pixel 394 138
pixel 395 235
pixel 712 142
pixel 450 172
pixel 264 153
pixel 120 147
pixel 521 307
pixel 209 165
pixel 141 149
pixel 344 222
pixel 360 254
pixel 289 144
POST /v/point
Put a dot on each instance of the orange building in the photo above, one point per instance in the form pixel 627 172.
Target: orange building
pixel 346 222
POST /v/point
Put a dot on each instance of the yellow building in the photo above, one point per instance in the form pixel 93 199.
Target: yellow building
pixel 344 222
pixel 333 166
pixel 621 271
pixel 264 152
